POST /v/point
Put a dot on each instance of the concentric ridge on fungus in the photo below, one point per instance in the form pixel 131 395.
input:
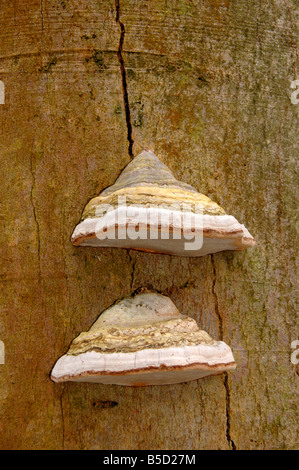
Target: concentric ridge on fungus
pixel 148 184
pixel 143 340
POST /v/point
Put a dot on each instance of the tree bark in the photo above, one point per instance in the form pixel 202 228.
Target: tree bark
pixel 207 86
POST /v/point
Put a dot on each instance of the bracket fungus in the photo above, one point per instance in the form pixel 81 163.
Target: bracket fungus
pixel 147 209
pixel 143 340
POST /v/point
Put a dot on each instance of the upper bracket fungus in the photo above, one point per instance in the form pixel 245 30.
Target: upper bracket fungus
pixel 147 209
pixel 143 340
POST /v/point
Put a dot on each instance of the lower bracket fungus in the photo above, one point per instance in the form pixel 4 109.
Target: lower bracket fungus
pixel 147 209
pixel 143 340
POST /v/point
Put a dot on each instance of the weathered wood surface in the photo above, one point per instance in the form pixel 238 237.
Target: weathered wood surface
pixel 206 85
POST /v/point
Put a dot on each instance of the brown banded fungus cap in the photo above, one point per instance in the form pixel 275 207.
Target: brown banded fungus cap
pixel 143 340
pixel 147 209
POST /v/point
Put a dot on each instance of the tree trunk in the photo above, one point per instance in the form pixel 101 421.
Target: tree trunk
pixel 207 86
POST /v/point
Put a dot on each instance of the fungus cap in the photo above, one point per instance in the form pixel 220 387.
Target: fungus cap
pixel 143 340
pixel 147 209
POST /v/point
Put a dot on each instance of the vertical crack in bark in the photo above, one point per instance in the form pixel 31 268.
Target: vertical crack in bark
pixel 225 374
pixel 217 311
pixel 133 262
pixel 32 198
pixel 43 23
pixel 42 14
pixel 42 32
pixel 228 409
pixel 124 78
